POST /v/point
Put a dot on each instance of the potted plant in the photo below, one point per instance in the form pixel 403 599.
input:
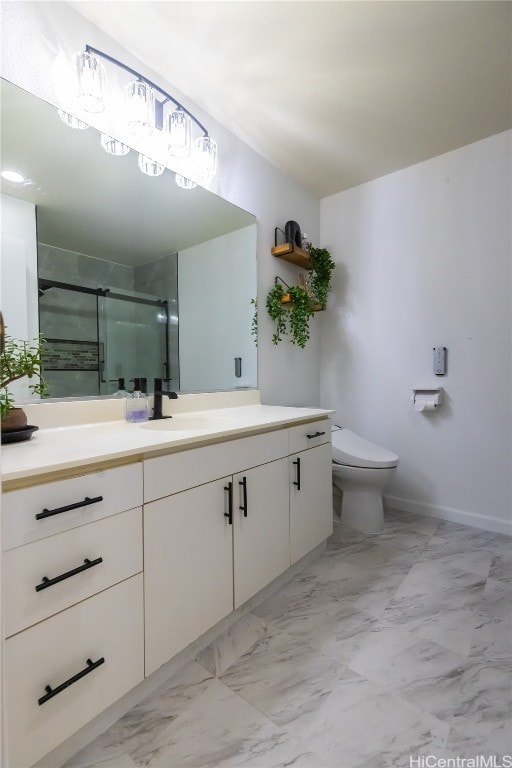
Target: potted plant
pixel 18 359
pixel 320 276
pixel 290 308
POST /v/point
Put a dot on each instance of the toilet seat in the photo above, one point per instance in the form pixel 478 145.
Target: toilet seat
pixel 351 450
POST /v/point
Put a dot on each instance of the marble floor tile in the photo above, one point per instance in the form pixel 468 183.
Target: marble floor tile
pixel 284 679
pixel 361 724
pixel 423 672
pixel 219 728
pixel 226 649
pixel 501 567
pixel 431 577
pixel 439 617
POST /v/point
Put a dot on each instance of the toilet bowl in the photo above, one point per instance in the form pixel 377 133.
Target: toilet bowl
pixel 361 470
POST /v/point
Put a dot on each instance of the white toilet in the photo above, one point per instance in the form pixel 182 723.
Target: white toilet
pixel 361 470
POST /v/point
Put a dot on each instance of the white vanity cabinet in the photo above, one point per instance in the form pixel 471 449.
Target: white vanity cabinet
pixel 72 605
pixel 311 520
pixel 202 557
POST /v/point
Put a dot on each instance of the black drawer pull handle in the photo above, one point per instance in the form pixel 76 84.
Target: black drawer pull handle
pixel 297 481
pixel 229 513
pixel 68 507
pixel 317 434
pixel 243 508
pixel 51 692
pixel 46 582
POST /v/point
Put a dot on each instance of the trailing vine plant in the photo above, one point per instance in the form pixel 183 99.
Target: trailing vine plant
pixel 320 275
pixel 290 318
pixel 254 322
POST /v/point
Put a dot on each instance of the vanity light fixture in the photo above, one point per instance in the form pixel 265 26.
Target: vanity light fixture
pixel 149 113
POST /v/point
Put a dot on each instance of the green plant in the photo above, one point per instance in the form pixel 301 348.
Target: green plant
pixel 320 275
pixel 254 322
pixel 291 318
pixel 19 359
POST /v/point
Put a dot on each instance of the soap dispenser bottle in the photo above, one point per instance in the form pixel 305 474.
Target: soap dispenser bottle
pixel 121 391
pixel 137 404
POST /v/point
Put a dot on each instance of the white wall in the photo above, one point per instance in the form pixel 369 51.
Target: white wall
pixel 216 282
pixel 18 277
pixel 424 260
pixel 33 34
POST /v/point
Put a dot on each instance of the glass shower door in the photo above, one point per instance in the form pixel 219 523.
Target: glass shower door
pixel 133 340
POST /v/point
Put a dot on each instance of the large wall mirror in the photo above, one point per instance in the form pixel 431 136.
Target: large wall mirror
pixel 136 277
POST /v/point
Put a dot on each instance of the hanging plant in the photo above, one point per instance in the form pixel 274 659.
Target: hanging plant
pixel 290 309
pixel 254 322
pixel 320 276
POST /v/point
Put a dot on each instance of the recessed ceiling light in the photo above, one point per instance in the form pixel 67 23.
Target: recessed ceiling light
pixel 14 176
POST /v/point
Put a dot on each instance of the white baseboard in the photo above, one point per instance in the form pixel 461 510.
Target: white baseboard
pixel 473 519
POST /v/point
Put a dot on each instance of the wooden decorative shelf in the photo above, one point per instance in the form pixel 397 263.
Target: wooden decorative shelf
pixel 290 252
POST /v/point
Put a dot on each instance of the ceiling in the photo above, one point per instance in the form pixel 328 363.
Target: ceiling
pixel 332 92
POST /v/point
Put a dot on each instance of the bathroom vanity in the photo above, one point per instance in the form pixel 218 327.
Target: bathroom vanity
pixel 123 544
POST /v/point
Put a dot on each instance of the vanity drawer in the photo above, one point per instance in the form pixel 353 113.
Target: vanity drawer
pixel 176 472
pixel 113 546
pixel 309 435
pixel 107 626
pixel 119 488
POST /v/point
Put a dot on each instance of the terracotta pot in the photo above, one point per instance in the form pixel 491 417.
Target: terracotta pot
pixel 15 419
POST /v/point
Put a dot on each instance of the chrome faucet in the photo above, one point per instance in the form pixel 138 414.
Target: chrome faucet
pixel 157 399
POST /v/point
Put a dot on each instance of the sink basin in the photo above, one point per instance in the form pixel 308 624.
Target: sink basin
pixel 189 423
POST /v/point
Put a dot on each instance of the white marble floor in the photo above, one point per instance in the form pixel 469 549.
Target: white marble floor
pixel 387 647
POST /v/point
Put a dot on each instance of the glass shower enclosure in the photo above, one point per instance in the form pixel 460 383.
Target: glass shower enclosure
pixel 96 337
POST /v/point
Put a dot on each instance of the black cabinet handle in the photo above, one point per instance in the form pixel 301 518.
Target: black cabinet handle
pixel 68 507
pixel 317 434
pixel 51 692
pixel 243 508
pixel 297 481
pixel 229 513
pixel 46 582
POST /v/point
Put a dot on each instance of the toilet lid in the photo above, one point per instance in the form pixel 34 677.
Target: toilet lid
pixel 353 451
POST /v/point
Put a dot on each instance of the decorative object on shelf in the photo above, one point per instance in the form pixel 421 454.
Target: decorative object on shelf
pixel 292 233
pixel 150 114
pixel 19 358
pixel 290 308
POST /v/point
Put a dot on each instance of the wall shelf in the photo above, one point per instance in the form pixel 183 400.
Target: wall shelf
pixel 292 253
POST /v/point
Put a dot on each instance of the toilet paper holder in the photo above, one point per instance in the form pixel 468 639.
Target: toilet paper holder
pixel 425 399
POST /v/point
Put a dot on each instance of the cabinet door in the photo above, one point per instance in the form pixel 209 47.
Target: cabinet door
pixel 310 500
pixel 188 568
pixel 261 528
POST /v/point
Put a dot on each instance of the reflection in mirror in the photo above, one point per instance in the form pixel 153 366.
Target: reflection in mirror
pixel 136 277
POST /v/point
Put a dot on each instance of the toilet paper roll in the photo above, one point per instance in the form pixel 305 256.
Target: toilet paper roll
pixel 424 404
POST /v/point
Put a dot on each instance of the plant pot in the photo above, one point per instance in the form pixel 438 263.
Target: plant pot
pixel 15 419
pixel 286 298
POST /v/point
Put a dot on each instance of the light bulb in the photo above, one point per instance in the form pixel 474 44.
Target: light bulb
pixel 179 129
pixel 140 108
pixel 71 121
pixel 113 146
pixel 149 166
pixel 91 77
pixel 205 158
pixel 183 182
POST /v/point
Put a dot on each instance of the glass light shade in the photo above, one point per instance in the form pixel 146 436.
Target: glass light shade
pixel 205 158
pixel 140 108
pixel 113 146
pixel 183 182
pixel 149 166
pixel 179 129
pixel 91 77
pixel 71 121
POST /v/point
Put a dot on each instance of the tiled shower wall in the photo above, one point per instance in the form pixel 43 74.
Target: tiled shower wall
pixel 71 318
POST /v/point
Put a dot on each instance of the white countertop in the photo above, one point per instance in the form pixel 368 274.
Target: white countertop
pixel 58 449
